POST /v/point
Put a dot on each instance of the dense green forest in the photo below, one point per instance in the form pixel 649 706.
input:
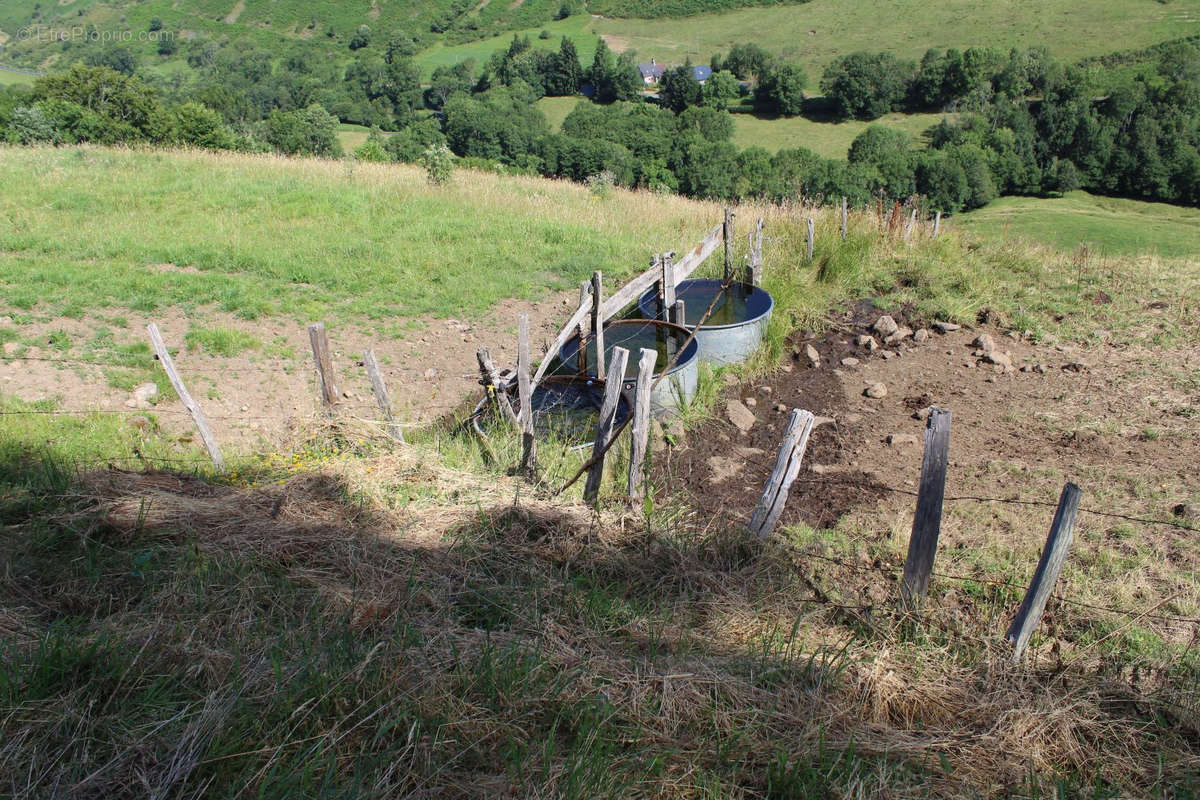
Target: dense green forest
pixel 1017 122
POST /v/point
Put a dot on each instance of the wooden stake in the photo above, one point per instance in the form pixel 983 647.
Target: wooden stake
pixel 524 395
pixel 678 316
pixel 811 237
pixel 193 408
pixel 843 219
pixel 927 520
pixel 597 322
pixel 727 236
pixel 1054 555
pixel 641 423
pixel 754 271
pixel 937 224
pixel 608 416
pixel 912 220
pixel 668 283
pixel 324 365
pixel 490 378
pixel 787 467
pixel 379 388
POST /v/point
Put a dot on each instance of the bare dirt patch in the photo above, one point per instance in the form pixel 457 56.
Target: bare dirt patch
pixel 236 12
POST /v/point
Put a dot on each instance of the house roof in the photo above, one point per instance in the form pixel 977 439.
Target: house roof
pixel 651 70
pixel 702 72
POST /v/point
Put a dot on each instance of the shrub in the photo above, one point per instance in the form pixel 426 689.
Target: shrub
pixel 438 162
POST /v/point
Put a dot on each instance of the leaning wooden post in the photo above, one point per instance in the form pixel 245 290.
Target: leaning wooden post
pixel 490 378
pixel 927 520
pixel 524 395
pixel 727 235
pixel 937 224
pixel 641 423
pixel 811 236
pixel 597 322
pixel 379 388
pixel 606 421
pixel 787 467
pixel 193 408
pixel 320 350
pixel 1054 554
pixel 843 218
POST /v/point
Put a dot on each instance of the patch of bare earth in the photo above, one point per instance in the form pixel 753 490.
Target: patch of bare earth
pixel 236 12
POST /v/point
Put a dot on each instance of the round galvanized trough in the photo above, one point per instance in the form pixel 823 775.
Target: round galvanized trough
pixel 735 328
pixel 676 390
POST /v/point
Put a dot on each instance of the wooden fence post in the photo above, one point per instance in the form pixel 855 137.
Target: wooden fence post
pixel 320 350
pixel 727 235
pixel 754 270
pixel 811 236
pixel 927 520
pixel 937 224
pixel 641 423
pixel 668 283
pixel 524 394
pixel 787 467
pixel 597 322
pixel 490 378
pixel 379 388
pixel 843 218
pixel 1054 555
pixel 908 226
pixel 193 408
pixel 677 313
pixel 606 421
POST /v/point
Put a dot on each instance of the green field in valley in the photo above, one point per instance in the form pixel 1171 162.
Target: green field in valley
pixel 827 138
pixel 577 28
pixel 1106 225
pixel 9 77
pixel 815 33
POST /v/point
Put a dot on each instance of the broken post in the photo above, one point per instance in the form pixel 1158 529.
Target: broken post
pixel 937 224
pixel 727 236
pixel 597 322
pixel 608 416
pixel 379 388
pixel 787 467
pixel 667 263
pixel 490 378
pixel 524 395
pixel 641 423
pixel 927 520
pixel 754 270
pixel 677 314
pixel 843 218
pixel 811 236
pixel 324 364
pixel 1054 555
pixel 193 408
pixel 908 226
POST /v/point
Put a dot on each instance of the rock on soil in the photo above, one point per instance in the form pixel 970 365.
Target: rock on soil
pixel 814 358
pixel 984 342
pixel 921 335
pixel 737 413
pixel 866 341
pixel 885 326
pixel 899 439
pixel 876 390
pixel 849 361
pixel 946 327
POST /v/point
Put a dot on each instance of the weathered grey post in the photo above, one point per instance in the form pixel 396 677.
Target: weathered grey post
pixel 811 235
pixel 727 235
pixel 641 423
pixel 843 218
pixel 193 408
pixel 597 322
pixel 908 226
pixel 677 313
pixel 379 388
pixel 524 394
pixel 927 520
pixel 585 298
pixel 1054 555
pixel 667 263
pixel 754 270
pixel 937 224
pixel 787 467
pixel 320 350
pixel 608 416
pixel 490 378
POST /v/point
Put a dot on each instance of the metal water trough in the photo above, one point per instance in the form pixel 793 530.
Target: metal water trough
pixel 565 408
pixel 676 390
pixel 737 325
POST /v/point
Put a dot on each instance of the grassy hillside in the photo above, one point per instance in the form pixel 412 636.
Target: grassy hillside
pixel 1107 225
pixel 817 32
pixel 351 617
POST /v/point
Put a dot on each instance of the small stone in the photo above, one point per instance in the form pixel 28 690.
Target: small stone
pixel 898 335
pixel 886 354
pixel 245 409
pixel 764 389
pixel 145 392
pixel 849 362
pixel 898 439
pixel 984 342
pixel 1188 511
pixel 1026 368
pixel 946 327
pixel 1074 366
pixel 876 390
pixel 431 374
pixel 786 367
pixel 781 407
pixel 140 422
pixel 1040 369
pixel 921 335
pixel 814 358
pixel 998 358
pixel 923 413
pixel 741 416
pixel 885 326
pixel 750 402
pixel 990 379
pixel 862 340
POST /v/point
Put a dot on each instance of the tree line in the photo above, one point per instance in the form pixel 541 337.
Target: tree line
pixel 1017 122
